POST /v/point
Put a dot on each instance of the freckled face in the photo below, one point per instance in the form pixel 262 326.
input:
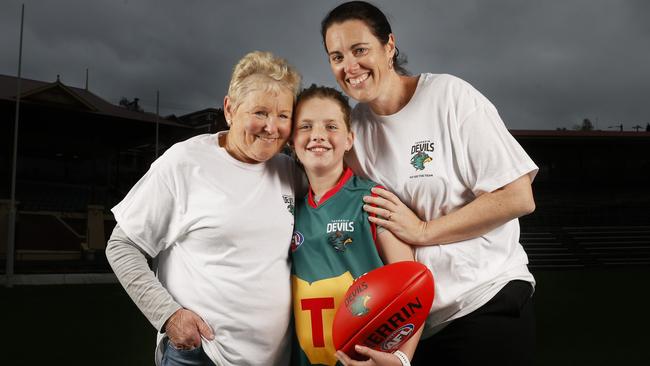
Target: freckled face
pixel 320 135
pixel 260 126
pixel 359 62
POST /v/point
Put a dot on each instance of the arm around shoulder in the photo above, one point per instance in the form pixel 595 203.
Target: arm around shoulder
pixel 485 213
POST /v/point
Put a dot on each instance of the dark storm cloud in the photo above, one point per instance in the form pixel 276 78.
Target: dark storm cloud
pixel 544 64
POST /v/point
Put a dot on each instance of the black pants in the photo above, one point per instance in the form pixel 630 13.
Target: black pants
pixel 501 332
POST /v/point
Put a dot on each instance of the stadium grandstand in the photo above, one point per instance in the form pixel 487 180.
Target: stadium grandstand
pixel 78 155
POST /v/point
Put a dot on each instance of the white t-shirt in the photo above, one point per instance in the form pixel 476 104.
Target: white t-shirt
pixel 447 146
pixel 220 231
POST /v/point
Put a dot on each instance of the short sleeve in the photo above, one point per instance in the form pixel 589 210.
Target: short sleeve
pixel 493 158
pixel 149 214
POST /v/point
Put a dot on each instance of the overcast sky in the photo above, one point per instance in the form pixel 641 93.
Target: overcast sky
pixel 543 63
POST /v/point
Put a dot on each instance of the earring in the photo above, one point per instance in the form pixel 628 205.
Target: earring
pixel 390 64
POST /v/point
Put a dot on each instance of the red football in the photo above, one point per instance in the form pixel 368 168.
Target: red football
pixel 383 308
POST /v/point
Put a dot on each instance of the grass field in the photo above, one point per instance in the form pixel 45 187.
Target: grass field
pixel 584 317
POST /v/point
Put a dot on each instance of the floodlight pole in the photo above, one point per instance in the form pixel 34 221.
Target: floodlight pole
pixel 157 120
pixel 11 230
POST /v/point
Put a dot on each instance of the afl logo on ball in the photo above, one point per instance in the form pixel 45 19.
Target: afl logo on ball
pixel 397 337
pixel 296 240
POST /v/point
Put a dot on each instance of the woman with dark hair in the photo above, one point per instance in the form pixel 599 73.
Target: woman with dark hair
pixel 459 181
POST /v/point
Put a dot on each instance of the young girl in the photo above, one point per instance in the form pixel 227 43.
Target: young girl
pixel 333 242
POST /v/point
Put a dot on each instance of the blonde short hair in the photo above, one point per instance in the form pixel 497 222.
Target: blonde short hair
pixel 262 70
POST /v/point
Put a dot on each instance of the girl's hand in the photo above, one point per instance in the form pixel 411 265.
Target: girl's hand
pixel 374 358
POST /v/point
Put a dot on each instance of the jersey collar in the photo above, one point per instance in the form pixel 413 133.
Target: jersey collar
pixel 347 174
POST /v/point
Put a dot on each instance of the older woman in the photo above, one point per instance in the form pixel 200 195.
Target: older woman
pixel 441 147
pixel 216 214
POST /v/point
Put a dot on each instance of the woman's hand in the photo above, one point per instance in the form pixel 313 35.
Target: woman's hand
pixel 486 212
pixel 374 358
pixel 395 216
pixel 185 328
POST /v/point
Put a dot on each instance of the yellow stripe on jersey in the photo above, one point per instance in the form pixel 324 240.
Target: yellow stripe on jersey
pixel 314 306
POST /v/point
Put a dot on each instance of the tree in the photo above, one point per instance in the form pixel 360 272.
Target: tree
pixel 585 126
pixel 131 105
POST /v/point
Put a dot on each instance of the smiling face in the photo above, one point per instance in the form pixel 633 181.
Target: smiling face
pixel 260 124
pixel 359 62
pixel 320 136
